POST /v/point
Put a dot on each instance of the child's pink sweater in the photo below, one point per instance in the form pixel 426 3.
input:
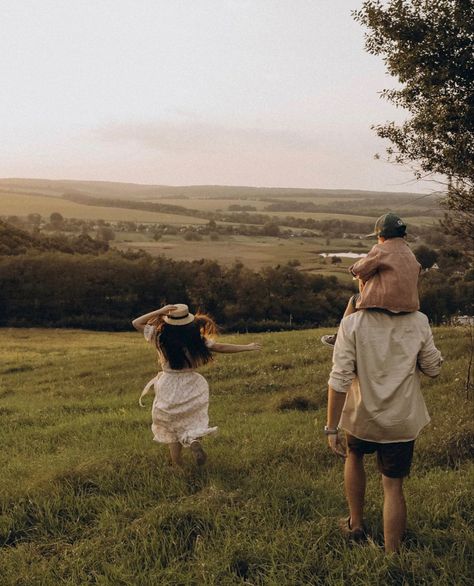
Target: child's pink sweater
pixel 390 276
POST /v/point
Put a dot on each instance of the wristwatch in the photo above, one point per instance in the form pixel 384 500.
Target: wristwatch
pixel 329 431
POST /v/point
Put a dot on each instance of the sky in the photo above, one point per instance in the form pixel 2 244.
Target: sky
pixel 184 92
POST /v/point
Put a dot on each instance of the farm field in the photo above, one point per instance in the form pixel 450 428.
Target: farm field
pixel 21 204
pixel 255 252
pixel 88 498
pixel 203 198
pixel 211 204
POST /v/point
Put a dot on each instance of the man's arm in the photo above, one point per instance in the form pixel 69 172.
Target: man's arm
pixel 342 373
pixel 335 405
pixel 429 357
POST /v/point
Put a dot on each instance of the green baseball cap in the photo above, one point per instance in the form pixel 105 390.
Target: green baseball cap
pixel 389 226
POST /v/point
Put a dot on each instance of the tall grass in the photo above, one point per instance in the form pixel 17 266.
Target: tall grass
pixel 88 498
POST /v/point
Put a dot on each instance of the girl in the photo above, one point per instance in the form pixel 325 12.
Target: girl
pixel 179 411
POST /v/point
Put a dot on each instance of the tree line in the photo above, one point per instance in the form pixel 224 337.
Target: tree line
pixel 55 289
pixel 79 282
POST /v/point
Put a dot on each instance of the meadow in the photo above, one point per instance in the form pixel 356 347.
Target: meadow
pixel 21 197
pixel 88 498
pixel 21 204
pixel 255 252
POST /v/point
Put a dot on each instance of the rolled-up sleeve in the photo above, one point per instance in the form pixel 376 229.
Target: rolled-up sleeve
pixel 429 357
pixel 149 333
pixel 343 361
pixel 368 266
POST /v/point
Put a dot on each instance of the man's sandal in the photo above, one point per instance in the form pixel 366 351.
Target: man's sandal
pixel 355 535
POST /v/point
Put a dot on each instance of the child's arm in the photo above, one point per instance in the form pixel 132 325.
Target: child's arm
pixel 139 323
pixel 232 348
pixel 364 268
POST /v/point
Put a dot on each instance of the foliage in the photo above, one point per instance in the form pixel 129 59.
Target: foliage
pixel 425 256
pixel 191 235
pixel 88 498
pixel 106 291
pixel 56 220
pixel 105 233
pixel 443 296
pixel 428 46
pixel 14 241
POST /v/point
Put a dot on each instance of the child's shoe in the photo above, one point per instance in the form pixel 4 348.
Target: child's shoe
pixel 329 340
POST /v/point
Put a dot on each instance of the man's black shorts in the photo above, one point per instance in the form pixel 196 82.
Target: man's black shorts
pixel 393 460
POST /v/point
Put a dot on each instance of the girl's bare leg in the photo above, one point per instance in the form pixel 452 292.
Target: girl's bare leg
pixel 175 454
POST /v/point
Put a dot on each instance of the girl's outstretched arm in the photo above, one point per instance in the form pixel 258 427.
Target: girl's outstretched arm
pixel 232 348
pixel 140 322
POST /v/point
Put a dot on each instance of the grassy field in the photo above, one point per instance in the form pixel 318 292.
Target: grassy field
pixel 17 204
pixel 88 498
pixel 21 204
pixel 23 196
pixel 254 252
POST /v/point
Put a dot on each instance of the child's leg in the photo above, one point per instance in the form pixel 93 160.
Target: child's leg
pixel 175 453
pixel 330 340
pixel 350 307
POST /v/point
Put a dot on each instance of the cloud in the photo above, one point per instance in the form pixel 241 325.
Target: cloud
pixel 200 137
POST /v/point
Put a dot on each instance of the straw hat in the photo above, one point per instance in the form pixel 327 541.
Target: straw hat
pixel 179 316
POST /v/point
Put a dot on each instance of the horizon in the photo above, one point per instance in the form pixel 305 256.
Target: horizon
pixel 214 185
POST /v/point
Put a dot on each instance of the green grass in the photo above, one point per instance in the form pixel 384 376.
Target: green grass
pixel 88 498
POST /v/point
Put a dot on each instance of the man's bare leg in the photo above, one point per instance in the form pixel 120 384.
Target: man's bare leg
pixel 354 484
pixel 394 513
pixel 175 454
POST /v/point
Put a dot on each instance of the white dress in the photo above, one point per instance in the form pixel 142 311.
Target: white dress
pixel 180 408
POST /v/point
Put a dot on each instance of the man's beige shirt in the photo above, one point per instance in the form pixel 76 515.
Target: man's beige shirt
pixel 377 361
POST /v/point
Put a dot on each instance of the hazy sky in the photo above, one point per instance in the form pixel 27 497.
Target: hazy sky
pixel 236 92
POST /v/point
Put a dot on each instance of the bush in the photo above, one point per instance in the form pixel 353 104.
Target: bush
pixel 191 236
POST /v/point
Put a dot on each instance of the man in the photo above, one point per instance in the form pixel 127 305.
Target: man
pixel 374 396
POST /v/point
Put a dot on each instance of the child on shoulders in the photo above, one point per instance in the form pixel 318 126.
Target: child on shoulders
pixel 388 275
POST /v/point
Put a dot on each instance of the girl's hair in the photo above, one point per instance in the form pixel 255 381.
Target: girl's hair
pixel 185 346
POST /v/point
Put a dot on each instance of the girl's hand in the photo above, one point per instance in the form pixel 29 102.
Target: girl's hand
pixel 254 346
pixel 167 309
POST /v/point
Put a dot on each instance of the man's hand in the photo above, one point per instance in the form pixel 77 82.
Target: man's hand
pixel 336 445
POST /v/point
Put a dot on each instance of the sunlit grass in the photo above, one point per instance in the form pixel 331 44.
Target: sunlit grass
pixel 88 498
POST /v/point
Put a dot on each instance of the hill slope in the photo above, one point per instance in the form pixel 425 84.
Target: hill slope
pixel 98 504
pixel 110 189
